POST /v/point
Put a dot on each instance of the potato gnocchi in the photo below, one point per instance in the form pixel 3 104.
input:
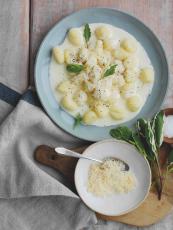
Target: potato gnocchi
pixel 102 73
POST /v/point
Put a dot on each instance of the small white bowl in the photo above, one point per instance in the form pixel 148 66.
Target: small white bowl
pixel 117 204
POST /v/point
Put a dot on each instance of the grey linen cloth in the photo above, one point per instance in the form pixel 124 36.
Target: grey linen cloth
pixel 33 196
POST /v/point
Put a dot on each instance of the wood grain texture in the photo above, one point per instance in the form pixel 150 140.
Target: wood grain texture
pixel 157 14
pixel 14 43
pixel 145 215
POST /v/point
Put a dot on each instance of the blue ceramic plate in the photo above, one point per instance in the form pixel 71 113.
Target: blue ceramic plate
pixel 116 18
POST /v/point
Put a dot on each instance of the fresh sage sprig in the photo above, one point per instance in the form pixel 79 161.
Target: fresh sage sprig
pixel 74 68
pixel 110 71
pixel 147 138
pixel 151 141
pixel 139 144
pixel 157 126
pixel 87 33
pixel 77 120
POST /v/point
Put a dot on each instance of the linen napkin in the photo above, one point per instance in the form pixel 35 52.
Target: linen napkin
pixel 33 196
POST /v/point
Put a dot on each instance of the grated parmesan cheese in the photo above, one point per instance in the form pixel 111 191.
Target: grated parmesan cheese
pixel 109 178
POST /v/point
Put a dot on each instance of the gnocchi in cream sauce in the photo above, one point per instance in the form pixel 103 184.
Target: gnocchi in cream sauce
pixel 102 73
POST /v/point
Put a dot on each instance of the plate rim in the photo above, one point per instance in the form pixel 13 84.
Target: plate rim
pixel 139 203
pixel 64 18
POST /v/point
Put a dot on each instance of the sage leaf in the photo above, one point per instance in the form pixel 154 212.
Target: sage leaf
pixel 157 126
pixel 141 129
pixel 152 153
pixel 122 133
pixel 110 71
pixel 87 32
pixel 139 144
pixel 141 123
pixel 74 68
pixel 77 121
pixel 149 135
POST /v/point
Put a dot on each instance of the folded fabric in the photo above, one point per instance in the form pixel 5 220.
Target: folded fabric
pixel 32 196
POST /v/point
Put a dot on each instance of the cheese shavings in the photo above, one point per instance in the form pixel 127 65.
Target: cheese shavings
pixel 110 178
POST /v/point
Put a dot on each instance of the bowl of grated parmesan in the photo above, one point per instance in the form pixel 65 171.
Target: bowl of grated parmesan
pixel 107 187
pixel 110 178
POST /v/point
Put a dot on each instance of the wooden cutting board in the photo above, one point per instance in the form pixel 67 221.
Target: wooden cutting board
pixel 151 211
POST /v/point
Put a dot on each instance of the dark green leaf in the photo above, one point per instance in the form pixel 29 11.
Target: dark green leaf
pixel 77 121
pixel 157 126
pixel 122 133
pixel 87 33
pixel 110 71
pixel 139 144
pixel 74 68
pixel 141 123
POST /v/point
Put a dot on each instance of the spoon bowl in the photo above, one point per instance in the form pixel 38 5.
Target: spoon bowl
pixel 126 166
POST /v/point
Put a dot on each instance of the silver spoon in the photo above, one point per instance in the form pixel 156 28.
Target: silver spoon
pixel 69 153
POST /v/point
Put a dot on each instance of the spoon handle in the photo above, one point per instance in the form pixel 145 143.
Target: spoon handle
pixel 67 152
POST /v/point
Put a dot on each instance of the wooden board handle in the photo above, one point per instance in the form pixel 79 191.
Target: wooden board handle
pixel 47 156
pixel 66 165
